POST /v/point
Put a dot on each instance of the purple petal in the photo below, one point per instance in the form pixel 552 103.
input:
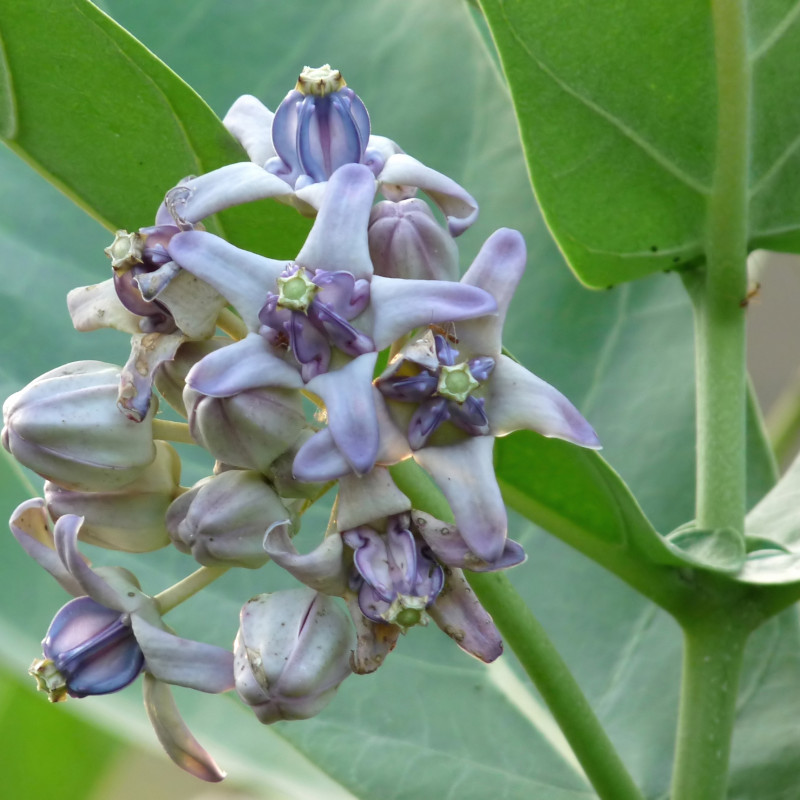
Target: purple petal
pixel 339 332
pixel 399 306
pixel 319 459
pixel 465 474
pixel 241 277
pixel 349 398
pixel 373 561
pixel 408 388
pixel 366 498
pixel 286 164
pixel 29 525
pixel 450 548
pixel 341 292
pixel 148 352
pixel 461 616
pixel 470 416
pixel 198 198
pixel 457 204
pixel 372 605
pixel 308 345
pixel 250 123
pixel 93 648
pixel 100 590
pixel 237 367
pixel 497 268
pixel 426 419
pixel 322 569
pixel 481 368
pixel 183 662
pixel 519 400
pixel 338 239
pixel 173 734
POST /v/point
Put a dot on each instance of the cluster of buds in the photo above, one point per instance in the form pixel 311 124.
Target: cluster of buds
pixel 370 277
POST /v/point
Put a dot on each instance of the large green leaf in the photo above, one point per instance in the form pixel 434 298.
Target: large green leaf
pixel 618 103
pixel 430 722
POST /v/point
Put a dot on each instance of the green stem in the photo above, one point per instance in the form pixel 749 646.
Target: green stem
pixel 719 290
pixel 559 689
pixel 172 431
pixel 712 662
pixel 188 587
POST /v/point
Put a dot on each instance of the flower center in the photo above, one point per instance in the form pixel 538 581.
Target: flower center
pixel 320 81
pixel 456 382
pixel 49 679
pixel 126 250
pixel 296 292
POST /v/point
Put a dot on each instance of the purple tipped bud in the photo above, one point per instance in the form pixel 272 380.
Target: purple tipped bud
pixel 66 426
pixel 222 519
pixel 131 518
pixel 89 649
pixel 406 241
pixel 320 126
pixel 292 651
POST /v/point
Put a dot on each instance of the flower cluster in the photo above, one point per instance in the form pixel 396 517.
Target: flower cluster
pixel 370 279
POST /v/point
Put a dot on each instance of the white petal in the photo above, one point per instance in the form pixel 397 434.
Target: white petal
pixel 173 734
pixel 97 306
pixel 366 498
pixel 250 122
pixel 518 400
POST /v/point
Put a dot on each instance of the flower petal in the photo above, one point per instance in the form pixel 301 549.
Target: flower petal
pixel 458 205
pixel 374 640
pixel 148 352
pixel 30 527
pixel 497 268
pixel 517 400
pixel 193 303
pixel 465 474
pixel 322 569
pixel 173 734
pixel 398 306
pixel 231 185
pixel 366 498
pixel 450 548
pixel 95 585
pixel 183 662
pixel 350 400
pixel 237 367
pixel 241 277
pixel 458 612
pixel 338 239
pixel 98 306
pixel 250 123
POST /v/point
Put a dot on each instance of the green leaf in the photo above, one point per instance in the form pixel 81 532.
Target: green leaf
pixel 117 128
pixel 44 748
pixel 617 104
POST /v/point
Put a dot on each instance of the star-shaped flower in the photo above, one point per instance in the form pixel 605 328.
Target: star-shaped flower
pixel 321 320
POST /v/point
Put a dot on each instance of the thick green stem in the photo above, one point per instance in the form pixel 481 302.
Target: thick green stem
pixel 712 661
pixel 172 431
pixel 551 676
pixel 718 291
pixel 188 587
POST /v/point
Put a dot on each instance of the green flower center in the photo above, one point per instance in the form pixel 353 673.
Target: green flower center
pixel 296 292
pixel 456 383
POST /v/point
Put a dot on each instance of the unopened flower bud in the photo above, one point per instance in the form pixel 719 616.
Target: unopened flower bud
pixel 66 426
pixel 406 241
pixel 131 518
pixel 170 379
pixel 222 520
pixel 89 649
pixel 291 653
pixel 249 430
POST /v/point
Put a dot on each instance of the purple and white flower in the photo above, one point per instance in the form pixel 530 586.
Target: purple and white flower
pixel 448 401
pixel 320 126
pixel 323 318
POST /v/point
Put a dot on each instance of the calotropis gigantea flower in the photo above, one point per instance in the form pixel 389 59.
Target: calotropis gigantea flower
pixel 102 640
pixel 448 400
pixel 320 126
pixel 152 299
pixel 388 573
pixel 292 653
pixel 323 318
